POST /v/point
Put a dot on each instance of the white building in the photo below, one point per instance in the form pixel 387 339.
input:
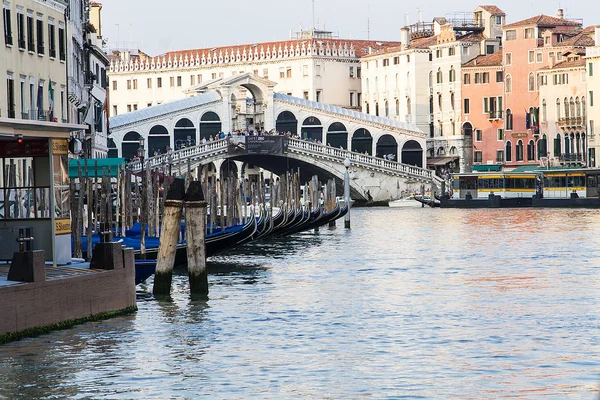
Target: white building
pixel 592 60
pixel 314 66
pixel 76 20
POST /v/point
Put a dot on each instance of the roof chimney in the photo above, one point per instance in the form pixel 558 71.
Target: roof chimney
pixel 560 13
pixel 405 37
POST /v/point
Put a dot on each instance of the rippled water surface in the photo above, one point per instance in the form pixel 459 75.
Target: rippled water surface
pixel 410 303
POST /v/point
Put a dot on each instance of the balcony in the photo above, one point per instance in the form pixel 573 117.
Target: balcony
pixel 495 115
pixel 37 115
pixel 572 122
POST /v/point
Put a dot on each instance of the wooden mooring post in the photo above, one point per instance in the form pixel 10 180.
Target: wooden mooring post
pixel 169 235
pixel 195 229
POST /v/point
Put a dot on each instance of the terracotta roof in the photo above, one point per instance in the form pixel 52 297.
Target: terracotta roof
pixel 490 60
pixel 361 47
pixel 543 21
pixel 420 43
pixel 472 37
pixel 567 64
pixel 492 9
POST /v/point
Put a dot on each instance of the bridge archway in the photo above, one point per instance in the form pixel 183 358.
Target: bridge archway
pixel 184 133
pixel 113 151
pixel 210 125
pixel 130 145
pixel 412 153
pixel 362 141
pixel 387 145
pixel 287 122
pixel 229 169
pixel 312 129
pixel 158 139
pixel 337 135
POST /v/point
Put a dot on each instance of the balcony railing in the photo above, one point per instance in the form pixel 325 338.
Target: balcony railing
pixel 495 114
pixel 571 122
pixel 571 157
pixel 37 115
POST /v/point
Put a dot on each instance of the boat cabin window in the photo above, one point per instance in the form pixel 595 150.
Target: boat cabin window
pixel 468 182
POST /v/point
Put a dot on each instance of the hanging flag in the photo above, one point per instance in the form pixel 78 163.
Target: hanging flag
pixel 51 101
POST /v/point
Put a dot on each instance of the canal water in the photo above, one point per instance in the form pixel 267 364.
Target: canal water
pixel 410 303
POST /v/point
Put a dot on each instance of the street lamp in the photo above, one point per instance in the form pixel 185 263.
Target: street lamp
pixel 347 193
pixel 141 153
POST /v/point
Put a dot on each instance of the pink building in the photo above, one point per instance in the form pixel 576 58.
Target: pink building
pixel 482 111
pixel 527 47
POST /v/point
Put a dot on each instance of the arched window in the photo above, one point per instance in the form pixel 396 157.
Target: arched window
pixel 397 80
pixel 408 106
pixel 519 151
pixel 397 108
pixel 387 109
pixel 508 84
pixel 566 105
pixel 544 111
pixel 542 147
pixel 367 108
pixel 376 84
pixel 452 100
pixel 440 101
pixel 557 109
pixel 439 76
pixel 367 84
pixel 577 107
pixel 583 110
pixel 572 107
pixel 530 151
pixel 377 109
pixel 508 151
pixel 451 74
pixel 430 78
pixel 531 82
pixel 557 145
pixel 509 120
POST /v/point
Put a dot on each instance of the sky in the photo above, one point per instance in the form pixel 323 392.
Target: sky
pixel 158 26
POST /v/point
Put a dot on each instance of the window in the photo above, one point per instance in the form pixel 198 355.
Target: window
pixel 591 128
pixel 135 84
pixel 499 156
pixel 509 120
pixel 591 98
pixel 62 44
pixel 439 76
pixel 288 72
pixel 466 106
pixel 498 20
pixel 466 79
pixel 318 70
pixel 478 135
pixel 172 81
pixel 451 101
pixel 52 40
pixel 40 35
pixel 128 107
pixel 192 80
pixel 499 76
pixel 305 94
pixel 531 80
pixel 519 151
pixel 178 81
pixel 438 53
pixel 500 134
pixel 451 75
pixel 511 35
pixel 30 33
pixel 530 151
pixel 351 98
pixel 158 82
pixel 200 78
pixel 351 70
pixel 135 107
pixel 128 84
pixel 485 77
pixel 358 99
pixel 477 156
pixel 149 83
pixel 386 62
pixel 149 105
pixel 318 97
pixel 508 84
pixel 486 105
pixel 531 56
pixel 528 33
pixel 8 39
pixel 397 60
pixel 266 73
pixel 591 69
pixel 508 59
pixel 21 30
pixel 508 150
pixel 451 51
pixel 358 72
pixel 10 96
pixel 490 48
pixel 539 57
pixel 114 85
pixel 477 78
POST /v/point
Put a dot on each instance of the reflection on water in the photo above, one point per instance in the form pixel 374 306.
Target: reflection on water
pixel 411 303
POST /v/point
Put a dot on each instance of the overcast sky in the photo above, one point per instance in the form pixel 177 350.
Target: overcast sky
pixel 157 26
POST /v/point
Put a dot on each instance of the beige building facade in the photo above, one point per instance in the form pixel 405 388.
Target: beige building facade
pixel 592 62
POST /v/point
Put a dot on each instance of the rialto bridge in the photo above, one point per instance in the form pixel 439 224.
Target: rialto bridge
pixel 387 156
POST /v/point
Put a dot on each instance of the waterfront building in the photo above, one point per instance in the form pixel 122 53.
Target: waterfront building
pixel 562 101
pixel 592 107
pixel 528 47
pixel 76 20
pixel 34 186
pixel 482 98
pixel 314 66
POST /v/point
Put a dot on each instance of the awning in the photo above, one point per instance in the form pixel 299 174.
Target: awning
pixel 487 168
pixel 433 161
pixel 115 164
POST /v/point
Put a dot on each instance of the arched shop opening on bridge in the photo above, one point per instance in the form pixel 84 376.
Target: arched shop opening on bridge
pixel 130 145
pixel 113 151
pixel 210 125
pixel 184 134
pixel 312 129
pixel 337 135
pixel 388 147
pixel 158 140
pixel 362 141
pixel 287 122
pixel 412 153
